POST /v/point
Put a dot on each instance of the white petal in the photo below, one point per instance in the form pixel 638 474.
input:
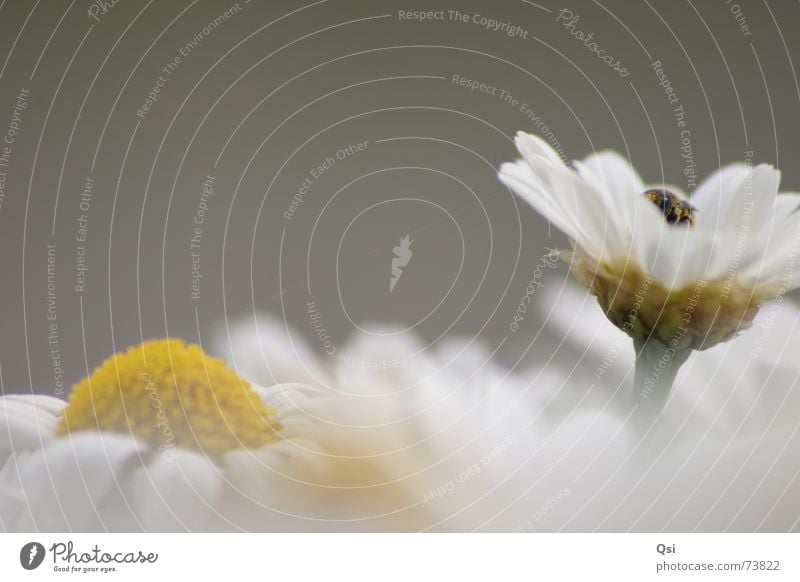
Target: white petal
pixel 521 180
pixel 660 262
pixel 772 256
pixel 291 401
pixel 652 247
pixel 707 255
pixel 72 484
pixel 754 195
pixel 287 395
pixel 26 422
pixel 585 212
pixel 468 363
pixel 712 195
pixel 593 212
pixel 264 350
pixel 179 491
pixel 50 404
pixel 618 177
pixel 530 146
pixel 387 361
pixel 286 477
pixel 786 204
pixel 615 210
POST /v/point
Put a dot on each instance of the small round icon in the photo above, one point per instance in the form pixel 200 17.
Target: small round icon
pixel 31 555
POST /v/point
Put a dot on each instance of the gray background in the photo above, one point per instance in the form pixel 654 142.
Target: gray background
pixel 279 87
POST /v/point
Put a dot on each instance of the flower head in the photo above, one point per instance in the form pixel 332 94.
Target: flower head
pixel 689 273
pixel 161 437
pixel 167 393
pixel 455 441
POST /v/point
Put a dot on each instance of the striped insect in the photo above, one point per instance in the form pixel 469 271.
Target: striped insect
pixel 676 211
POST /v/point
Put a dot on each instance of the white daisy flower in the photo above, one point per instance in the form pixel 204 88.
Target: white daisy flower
pixel 675 274
pixel 158 438
pixel 423 434
pixel 723 455
pixel 453 441
pixel 740 388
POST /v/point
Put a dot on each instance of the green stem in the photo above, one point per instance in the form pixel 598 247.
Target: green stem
pixel 657 365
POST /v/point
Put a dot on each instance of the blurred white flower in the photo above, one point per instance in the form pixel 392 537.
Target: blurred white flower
pixel 724 453
pixel 400 436
pixel 673 277
pixel 159 438
pixel 437 434
pixel 454 441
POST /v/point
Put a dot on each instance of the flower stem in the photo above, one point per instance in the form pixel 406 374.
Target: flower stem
pixel 657 365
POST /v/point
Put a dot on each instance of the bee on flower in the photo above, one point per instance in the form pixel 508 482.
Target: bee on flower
pixel 706 262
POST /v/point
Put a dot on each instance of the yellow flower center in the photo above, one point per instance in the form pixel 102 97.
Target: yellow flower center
pixel 171 394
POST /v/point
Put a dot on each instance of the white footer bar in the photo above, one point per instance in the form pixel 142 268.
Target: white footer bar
pixel 402 557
